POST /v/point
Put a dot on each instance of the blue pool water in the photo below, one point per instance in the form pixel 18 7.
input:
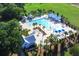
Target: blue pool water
pixel 42 22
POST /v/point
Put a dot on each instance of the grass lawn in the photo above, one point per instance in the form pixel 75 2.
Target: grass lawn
pixel 72 13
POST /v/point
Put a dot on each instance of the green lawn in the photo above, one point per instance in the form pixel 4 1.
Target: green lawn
pixel 72 13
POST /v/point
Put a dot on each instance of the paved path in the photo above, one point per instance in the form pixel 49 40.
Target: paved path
pixel 75 5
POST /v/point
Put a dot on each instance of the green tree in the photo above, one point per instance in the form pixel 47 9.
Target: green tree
pixel 53 40
pixel 25 32
pixel 10 11
pixel 10 37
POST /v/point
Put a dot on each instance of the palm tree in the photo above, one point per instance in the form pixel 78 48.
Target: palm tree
pixel 58 42
pixel 54 40
pixel 39 12
pixel 45 46
pixel 38 50
pixel 33 12
pixel 34 24
pixel 67 40
pixel 23 19
pixel 44 11
pixel 70 32
pixel 75 34
pixel 42 51
pixel 65 33
pixel 50 11
pixel 78 37
pixel 50 40
pixel 25 32
pixel 29 53
pixel 57 14
pixel 59 48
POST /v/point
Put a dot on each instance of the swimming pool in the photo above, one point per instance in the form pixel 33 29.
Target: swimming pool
pixel 42 21
pixel 54 28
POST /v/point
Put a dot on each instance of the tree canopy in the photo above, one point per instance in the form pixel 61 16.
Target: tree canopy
pixel 10 11
pixel 10 37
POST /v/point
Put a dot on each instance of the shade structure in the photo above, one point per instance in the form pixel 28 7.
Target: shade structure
pixel 54 17
pixel 29 42
pixel 28 46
